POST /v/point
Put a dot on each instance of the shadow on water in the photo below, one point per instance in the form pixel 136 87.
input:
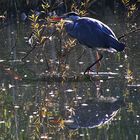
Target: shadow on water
pixel 36 104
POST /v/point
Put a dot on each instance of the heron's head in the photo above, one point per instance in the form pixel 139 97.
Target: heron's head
pixel 71 16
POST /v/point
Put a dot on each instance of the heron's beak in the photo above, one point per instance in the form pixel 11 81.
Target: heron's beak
pixel 59 19
pixel 56 19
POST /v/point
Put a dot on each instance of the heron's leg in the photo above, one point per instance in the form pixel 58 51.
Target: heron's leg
pixel 97 61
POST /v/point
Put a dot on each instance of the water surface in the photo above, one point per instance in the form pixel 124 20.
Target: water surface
pixel 36 103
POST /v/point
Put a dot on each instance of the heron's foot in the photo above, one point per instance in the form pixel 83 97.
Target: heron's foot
pixel 88 71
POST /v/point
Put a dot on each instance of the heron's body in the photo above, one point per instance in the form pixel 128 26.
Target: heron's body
pixel 93 33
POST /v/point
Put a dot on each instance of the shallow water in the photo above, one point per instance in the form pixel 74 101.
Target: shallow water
pixel 38 105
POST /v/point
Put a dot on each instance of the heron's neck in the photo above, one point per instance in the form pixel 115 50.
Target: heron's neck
pixel 69 25
pixel 74 18
pixel 70 22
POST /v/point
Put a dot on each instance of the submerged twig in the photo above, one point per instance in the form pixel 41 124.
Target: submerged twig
pixel 34 46
pixel 75 78
pixel 125 34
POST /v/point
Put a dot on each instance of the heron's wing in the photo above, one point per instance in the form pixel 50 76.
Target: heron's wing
pixel 104 28
pixel 89 33
pixel 94 23
pixel 108 35
pixel 94 34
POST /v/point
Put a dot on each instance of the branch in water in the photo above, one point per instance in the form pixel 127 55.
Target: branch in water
pixel 29 52
pixel 124 35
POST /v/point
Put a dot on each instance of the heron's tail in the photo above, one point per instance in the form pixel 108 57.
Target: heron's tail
pixel 115 44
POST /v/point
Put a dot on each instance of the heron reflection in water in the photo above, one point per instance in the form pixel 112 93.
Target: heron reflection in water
pixel 94 113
